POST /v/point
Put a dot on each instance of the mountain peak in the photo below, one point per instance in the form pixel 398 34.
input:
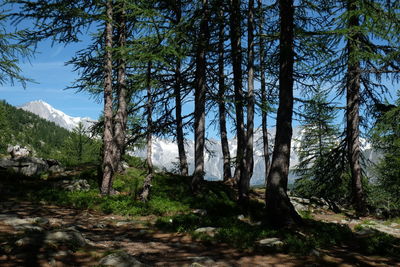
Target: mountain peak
pixel 47 112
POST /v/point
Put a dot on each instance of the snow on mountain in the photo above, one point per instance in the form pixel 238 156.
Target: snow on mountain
pixel 47 112
pixel 165 156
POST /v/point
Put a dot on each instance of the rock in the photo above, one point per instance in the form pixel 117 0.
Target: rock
pixel 18 151
pixel 343 221
pixel 272 242
pixel 28 166
pixel 200 212
pixel 73 185
pixel 26 224
pixel 241 217
pixel 199 260
pixel 120 259
pixel 315 253
pixel 210 231
pixel 56 169
pixel 196 264
pixel 69 236
pixel 25 241
pixel 365 231
pixel 394 225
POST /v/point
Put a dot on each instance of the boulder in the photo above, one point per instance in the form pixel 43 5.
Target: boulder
pixel 210 231
pixel 28 166
pixel 120 259
pixel 73 185
pixel 272 242
pixel 70 237
pixel 18 151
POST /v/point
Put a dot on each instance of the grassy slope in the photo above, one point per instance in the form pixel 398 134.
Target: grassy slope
pixel 172 205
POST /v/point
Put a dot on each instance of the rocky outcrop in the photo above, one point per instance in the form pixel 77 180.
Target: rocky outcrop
pixel 21 163
pixel 18 151
pixel 28 166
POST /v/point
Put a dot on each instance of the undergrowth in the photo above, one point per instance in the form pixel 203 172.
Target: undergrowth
pixel 174 205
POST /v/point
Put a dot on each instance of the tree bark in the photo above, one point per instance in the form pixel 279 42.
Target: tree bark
pixel 200 100
pixel 108 142
pixel 122 113
pixel 180 138
pixel 280 211
pixel 236 53
pixel 244 183
pixel 145 194
pixel 353 106
pixel 221 101
pixel 264 105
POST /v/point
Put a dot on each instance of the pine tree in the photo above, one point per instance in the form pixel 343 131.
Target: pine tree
pixel 319 136
pixel 12 50
pixel 385 136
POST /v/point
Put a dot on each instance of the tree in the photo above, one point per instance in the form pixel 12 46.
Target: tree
pixel 385 136
pixel 79 148
pixel 370 32
pixel 236 55
pixel 280 210
pixel 222 112
pixel 247 172
pixel 200 98
pixel 319 136
pixel 12 50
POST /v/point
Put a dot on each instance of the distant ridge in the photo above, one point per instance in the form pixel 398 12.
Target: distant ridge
pixel 47 112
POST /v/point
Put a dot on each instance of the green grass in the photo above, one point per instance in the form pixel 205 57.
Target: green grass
pixel 173 204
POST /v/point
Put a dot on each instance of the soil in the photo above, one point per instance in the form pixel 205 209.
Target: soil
pixel 138 237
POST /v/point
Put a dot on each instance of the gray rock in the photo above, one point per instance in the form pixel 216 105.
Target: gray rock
pixel 18 151
pixel 56 169
pixel 28 166
pixel 210 231
pixel 199 260
pixel 200 212
pixel 68 236
pixel 73 185
pixel 272 242
pixel 120 259
pixel 25 241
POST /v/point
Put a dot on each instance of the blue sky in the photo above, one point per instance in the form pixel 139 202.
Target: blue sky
pixel 47 68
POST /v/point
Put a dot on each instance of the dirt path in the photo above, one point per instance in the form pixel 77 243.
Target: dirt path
pixel 108 233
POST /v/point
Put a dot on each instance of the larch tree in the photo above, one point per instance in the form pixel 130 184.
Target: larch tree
pixel 280 210
pixel 200 97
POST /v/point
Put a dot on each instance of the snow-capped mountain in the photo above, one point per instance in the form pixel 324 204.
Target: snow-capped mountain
pixel 47 112
pixel 165 156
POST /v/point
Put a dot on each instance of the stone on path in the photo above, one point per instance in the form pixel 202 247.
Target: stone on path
pixel 120 259
pixel 210 231
pixel 272 242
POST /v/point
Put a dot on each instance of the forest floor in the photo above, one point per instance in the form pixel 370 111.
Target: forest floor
pixel 26 227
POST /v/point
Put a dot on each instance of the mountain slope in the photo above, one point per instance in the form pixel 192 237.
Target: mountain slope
pixel 21 127
pixel 47 112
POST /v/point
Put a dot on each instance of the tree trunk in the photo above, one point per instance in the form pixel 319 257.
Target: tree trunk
pixel 280 211
pixel 122 113
pixel 352 114
pixel 183 165
pixel 244 183
pixel 200 100
pixel 108 142
pixel 221 100
pixel 145 194
pixel 236 53
pixel 264 105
